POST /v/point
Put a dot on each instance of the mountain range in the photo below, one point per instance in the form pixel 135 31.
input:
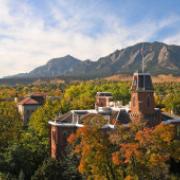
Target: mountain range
pixel 159 58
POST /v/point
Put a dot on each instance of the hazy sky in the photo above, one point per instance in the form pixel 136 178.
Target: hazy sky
pixel 34 31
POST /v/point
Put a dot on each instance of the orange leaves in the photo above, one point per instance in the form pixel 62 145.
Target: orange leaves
pixel 82 131
pixel 82 167
pixel 164 133
pixel 129 178
pixel 77 149
pixel 116 158
pixel 144 136
pixel 156 143
pixel 86 149
pixel 71 139
pixel 130 150
pixel 93 148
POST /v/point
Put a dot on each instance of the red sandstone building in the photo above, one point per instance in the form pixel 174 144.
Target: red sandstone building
pixel 30 104
pixel 142 107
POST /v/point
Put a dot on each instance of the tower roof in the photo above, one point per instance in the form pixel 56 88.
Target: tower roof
pixel 142 82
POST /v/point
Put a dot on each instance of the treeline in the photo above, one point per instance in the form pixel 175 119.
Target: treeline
pixel 14 81
pixel 7 92
pixel 167 97
pixel 81 95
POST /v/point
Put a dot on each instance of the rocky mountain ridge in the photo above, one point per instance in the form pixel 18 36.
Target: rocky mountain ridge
pixel 159 58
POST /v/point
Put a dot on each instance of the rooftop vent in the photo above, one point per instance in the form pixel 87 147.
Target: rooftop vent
pixel 103 94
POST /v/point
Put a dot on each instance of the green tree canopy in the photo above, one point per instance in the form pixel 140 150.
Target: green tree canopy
pixel 10 124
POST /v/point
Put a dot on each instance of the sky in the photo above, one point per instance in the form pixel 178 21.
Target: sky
pixel 34 31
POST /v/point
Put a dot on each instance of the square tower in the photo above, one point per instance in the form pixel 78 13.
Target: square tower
pixel 142 104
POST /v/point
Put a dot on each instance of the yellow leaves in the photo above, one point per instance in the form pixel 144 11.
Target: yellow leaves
pixel 81 167
pixel 129 178
pixel 94 151
pixel 156 140
pixel 164 132
pixel 156 159
pixel 86 149
pixel 77 149
pixel 116 158
pixel 137 148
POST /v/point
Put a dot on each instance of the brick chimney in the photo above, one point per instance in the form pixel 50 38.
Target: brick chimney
pixel 103 99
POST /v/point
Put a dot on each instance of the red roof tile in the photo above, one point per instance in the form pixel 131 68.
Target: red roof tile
pixel 28 101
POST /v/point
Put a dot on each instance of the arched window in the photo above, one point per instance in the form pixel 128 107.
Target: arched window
pixel 134 101
pixel 135 82
pixel 65 135
pixel 54 136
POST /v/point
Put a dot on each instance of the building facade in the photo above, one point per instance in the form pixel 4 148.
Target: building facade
pixel 30 104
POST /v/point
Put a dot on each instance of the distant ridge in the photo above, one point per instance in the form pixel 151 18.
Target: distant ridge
pixel 159 58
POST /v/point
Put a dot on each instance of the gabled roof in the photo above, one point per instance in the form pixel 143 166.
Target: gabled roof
pixel 39 97
pixel 123 117
pixel 28 101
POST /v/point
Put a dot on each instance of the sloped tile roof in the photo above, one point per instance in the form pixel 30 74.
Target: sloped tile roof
pixel 28 101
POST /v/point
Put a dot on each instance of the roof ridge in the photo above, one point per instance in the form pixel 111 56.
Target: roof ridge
pixel 28 100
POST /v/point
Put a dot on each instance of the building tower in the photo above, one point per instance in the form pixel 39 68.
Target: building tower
pixel 142 104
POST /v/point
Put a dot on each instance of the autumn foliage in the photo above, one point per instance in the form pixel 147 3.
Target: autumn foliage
pixel 134 152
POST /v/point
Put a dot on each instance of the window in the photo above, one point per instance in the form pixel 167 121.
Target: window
pixel 54 136
pixel 135 82
pixel 148 82
pixel 178 131
pixel 65 133
pixel 141 81
pixel 134 101
pixel 148 101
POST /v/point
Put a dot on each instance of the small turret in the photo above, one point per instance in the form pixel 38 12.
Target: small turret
pixel 103 99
